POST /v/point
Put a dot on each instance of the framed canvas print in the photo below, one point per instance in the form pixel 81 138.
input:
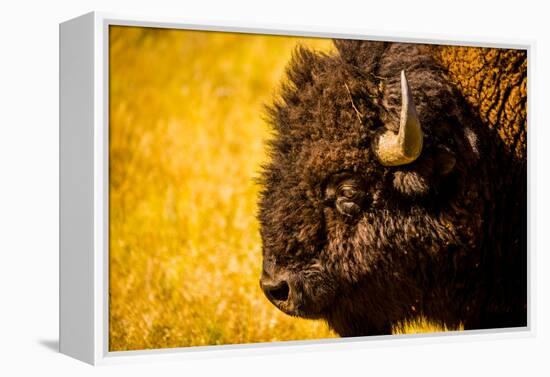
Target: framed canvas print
pixel 237 189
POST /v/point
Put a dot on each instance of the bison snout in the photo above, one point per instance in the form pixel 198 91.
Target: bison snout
pixel 289 294
pixel 276 291
pixel 285 290
pixel 281 292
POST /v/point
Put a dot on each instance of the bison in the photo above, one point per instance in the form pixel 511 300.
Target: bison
pixel 396 188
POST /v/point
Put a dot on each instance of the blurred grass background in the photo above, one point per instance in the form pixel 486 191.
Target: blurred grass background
pixel 186 141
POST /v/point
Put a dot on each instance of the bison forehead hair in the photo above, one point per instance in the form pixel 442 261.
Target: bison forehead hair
pixel 346 237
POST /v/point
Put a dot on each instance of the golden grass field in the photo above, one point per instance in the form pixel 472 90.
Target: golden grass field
pixel 187 136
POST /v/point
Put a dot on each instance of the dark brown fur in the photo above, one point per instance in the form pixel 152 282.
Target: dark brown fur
pixel 443 237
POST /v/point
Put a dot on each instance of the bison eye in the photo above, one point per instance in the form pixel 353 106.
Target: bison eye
pixel 348 191
pixel 345 194
pixel 348 198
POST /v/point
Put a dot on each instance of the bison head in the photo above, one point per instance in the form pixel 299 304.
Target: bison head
pixel 369 186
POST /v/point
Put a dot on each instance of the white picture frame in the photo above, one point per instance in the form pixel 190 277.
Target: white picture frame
pixel 84 166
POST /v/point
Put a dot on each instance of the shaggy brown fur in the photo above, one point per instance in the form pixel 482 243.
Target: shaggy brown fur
pixel 494 82
pixel 366 246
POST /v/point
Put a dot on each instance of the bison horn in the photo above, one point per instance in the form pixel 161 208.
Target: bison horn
pixel 406 146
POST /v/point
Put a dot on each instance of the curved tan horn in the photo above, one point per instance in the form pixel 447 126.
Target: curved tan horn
pixel 406 146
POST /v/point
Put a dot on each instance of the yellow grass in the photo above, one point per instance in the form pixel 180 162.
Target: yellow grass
pixel 186 142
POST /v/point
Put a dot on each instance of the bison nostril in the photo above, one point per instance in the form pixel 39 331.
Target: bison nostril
pixel 278 292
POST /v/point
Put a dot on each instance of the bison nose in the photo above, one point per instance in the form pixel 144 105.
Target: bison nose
pixel 276 291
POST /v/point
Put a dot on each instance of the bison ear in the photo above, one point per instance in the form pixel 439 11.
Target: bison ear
pixel 410 183
pixel 417 182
